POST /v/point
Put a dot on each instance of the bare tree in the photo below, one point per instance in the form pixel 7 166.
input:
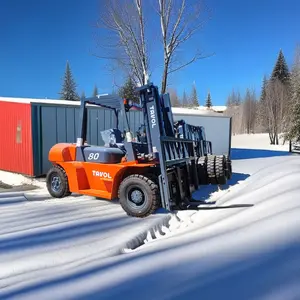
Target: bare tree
pixel 125 21
pixel 179 22
pixel 235 111
pixel 127 42
pixel 175 102
pixel 275 109
pixel 249 111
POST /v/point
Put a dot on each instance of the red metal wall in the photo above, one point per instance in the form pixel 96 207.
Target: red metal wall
pixel 16 153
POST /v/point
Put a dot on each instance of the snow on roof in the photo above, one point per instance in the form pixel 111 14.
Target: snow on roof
pixel 33 100
pixel 219 108
pixel 196 111
pixel 200 110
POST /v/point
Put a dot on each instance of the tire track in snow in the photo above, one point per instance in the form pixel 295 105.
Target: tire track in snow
pixel 43 258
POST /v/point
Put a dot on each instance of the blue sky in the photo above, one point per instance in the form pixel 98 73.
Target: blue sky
pixel 38 37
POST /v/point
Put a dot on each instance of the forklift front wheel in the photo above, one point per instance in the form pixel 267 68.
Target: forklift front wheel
pixel 139 196
pixel 57 182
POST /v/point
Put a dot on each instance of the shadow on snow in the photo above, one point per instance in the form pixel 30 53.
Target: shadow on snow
pixel 251 276
pixel 204 192
pixel 238 153
pixel 63 234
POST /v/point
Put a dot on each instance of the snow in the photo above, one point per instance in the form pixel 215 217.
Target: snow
pixel 257 141
pixel 36 100
pixel 15 179
pixel 198 111
pixel 246 246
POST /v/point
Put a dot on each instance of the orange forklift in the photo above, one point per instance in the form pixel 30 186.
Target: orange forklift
pixel 155 169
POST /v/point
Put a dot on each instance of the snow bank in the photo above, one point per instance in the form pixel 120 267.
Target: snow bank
pixel 15 179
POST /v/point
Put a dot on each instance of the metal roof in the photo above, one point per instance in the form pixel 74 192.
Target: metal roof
pixel 108 101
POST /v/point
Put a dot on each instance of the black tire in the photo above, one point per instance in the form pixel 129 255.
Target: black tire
pixel 220 169
pixel 202 170
pixel 144 188
pixel 210 169
pixel 215 168
pixel 228 168
pixel 57 182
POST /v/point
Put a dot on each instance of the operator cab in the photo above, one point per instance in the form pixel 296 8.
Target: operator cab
pixel 117 144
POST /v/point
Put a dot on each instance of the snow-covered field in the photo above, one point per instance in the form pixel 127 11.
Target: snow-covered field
pixel 257 141
pixel 247 246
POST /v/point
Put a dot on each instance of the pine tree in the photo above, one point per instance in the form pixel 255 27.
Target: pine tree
pixel 68 91
pixel 280 70
pixel 263 89
pixel 185 100
pixel 128 91
pixel 294 130
pixel 194 97
pixel 208 102
pixel 95 91
pixel 281 76
pixel 261 110
pixel 83 94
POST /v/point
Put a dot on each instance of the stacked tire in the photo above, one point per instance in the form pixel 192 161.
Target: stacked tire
pixel 214 169
pixel 228 167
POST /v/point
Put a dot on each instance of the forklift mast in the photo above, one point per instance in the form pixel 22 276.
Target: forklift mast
pixel 175 156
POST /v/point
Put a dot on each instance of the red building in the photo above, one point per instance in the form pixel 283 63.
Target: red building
pixel 16 153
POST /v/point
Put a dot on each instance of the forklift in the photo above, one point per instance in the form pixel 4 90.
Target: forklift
pixel 157 168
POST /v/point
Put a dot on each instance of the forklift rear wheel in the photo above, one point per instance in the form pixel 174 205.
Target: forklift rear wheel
pixel 57 182
pixel 139 196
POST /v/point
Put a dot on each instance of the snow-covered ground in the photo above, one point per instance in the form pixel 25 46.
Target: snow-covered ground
pixel 257 141
pixel 247 246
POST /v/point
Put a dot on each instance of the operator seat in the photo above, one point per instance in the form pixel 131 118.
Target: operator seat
pixel 110 153
pixel 105 155
pixel 111 137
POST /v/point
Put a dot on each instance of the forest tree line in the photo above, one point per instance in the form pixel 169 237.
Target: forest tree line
pixel 277 109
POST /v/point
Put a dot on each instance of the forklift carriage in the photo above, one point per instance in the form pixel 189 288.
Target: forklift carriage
pixel 161 167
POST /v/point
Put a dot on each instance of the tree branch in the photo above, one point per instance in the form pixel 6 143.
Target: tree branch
pixel 196 57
